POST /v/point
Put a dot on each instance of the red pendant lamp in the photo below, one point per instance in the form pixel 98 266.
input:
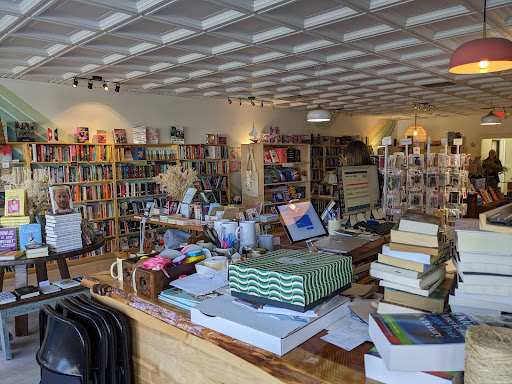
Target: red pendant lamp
pixel 482 55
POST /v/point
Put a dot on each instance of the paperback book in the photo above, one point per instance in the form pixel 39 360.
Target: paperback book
pixel 6 154
pixel 30 234
pixel 152 135
pixel 15 202
pixel 419 222
pixel 82 134
pixel 26 292
pixel 120 136
pixel 139 135
pixel 7 297
pixel 24 131
pixel 8 239
pixel 7 255
pixel 101 135
pixel 61 199
pixel 177 135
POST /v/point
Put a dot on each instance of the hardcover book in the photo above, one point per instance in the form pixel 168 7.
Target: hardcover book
pixel 139 135
pixel 66 283
pixel 210 138
pixel 82 134
pixel 101 136
pixel 139 153
pixel 152 135
pixel 10 255
pixel 120 136
pixel 61 199
pixel 177 135
pixel 15 201
pixel 8 239
pixel 26 292
pixel 221 139
pixel 7 297
pixel 419 222
pixel 6 154
pixel 268 278
pixel 30 234
pixel 421 342
pixel 24 131
pixel 52 135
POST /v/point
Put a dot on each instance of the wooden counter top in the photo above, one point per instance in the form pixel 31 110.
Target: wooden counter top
pixel 313 362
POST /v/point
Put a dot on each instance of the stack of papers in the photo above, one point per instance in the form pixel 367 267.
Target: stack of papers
pixel 198 284
pixel 347 333
pixel 182 299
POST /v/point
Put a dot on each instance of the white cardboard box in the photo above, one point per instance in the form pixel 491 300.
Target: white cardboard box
pixel 221 314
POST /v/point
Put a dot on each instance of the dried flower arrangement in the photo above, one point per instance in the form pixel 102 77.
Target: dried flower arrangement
pixel 175 182
pixel 37 191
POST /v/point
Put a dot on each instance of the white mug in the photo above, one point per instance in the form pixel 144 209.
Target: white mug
pixel 119 269
pixel 228 228
pixel 246 232
pixel 217 224
pixel 267 242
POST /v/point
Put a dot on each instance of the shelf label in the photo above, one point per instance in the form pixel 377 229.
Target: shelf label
pixel 406 141
pixel 149 162
pixel 74 163
pixel 457 141
pixel 386 140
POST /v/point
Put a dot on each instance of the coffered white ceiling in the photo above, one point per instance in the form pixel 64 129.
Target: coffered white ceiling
pixel 377 57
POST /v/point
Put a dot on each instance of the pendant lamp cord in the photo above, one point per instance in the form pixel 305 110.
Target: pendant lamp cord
pixel 485 23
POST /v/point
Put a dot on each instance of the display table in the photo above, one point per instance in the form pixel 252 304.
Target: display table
pixel 474 210
pixel 21 277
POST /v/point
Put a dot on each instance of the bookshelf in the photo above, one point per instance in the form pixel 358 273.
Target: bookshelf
pixel 324 158
pixel 275 179
pixel 111 183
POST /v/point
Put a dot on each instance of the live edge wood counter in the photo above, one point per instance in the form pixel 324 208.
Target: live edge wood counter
pixel 168 348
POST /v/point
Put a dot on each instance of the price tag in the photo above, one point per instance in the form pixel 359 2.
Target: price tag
pixel 74 163
pixel 457 141
pixel 416 150
pixel 406 141
pixel 444 140
pixel 464 193
pixel 386 140
pixel 15 160
pixel 5 165
pixel 149 162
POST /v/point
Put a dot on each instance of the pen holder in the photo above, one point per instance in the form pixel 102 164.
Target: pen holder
pixel 333 225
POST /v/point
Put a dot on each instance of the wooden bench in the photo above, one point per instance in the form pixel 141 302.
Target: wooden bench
pixel 26 306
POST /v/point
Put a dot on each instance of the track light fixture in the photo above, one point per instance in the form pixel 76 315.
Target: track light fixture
pixel 239 101
pixel 229 101
pixel 261 105
pixel 92 79
pixel 89 84
pixel 253 101
pixel 75 83
pixel 272 105
pixel 426 107
pixel 118 87
pixel 105 86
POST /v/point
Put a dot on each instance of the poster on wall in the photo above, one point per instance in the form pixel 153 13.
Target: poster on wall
pixel 25 131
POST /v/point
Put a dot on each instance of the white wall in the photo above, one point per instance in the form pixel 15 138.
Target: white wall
pixel 469 126
pixel 70 107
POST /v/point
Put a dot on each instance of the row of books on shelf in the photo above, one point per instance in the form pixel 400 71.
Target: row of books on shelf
pixel 138 189
pixel 327 151
pixel 281 155
pixel 207 167
pixel 71 152
pixel 332 140
pixel 45 288
pixel 92 192
pixel 130 171
pixel 67 174
pixel 317 174
pixel 317 162
pixel 142 153
pixel 213 182
pixel 288 193
pixel 128 226
pixel 138 207
pixel 98 210
pixel 206 152
pixel 107 227
pixel 282 175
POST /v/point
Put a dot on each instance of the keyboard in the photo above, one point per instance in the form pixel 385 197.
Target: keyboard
pixel 381 228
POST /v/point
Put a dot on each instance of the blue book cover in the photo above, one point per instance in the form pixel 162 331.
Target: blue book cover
pixel 139 153
pixel 30 234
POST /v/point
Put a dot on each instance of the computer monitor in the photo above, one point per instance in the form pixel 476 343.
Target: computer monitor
pixel 301 221
pixel 360 188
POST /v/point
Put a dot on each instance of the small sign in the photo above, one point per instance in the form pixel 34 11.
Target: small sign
pixel 15 160
pixel 457 141
pixel 406 141
pixel 464 193
pixel 7 187
pixel 148 162
pixel 416 150
pixel 386 140
pixel 444 140
pixel 5 165
pixel 74 163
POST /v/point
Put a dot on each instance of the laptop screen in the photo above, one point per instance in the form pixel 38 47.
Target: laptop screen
pixel 301 221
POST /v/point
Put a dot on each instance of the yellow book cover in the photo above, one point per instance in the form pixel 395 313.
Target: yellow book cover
pixel 15 200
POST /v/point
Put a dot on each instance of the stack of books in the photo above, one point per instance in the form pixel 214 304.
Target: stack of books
pixel 63 232
pixel 14 222
pixel 411 268
pixel 36 250
pixel 484 269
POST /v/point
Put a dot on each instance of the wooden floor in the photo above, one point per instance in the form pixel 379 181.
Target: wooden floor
pixel 23 367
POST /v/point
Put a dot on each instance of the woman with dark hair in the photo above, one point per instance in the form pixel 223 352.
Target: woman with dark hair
pixel 357 153
pixel 493 167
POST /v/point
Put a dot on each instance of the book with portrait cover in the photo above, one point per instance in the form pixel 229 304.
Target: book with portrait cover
pixel 102 136
pixel 82 134
pixel 15 202
pixel 120 136
pixel 60 196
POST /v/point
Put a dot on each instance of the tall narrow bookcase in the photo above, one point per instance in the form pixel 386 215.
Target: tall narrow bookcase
pixel 275 174
pixel 324 158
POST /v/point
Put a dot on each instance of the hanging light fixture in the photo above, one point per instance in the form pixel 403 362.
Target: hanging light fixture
pixel 491 118
pixel 482 55
pixel 319 114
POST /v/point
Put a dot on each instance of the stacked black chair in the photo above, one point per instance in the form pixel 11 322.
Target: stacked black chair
pixel 108 342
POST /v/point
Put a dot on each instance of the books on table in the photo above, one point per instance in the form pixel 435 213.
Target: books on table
pixel 15 200
pixel 417 257
pixel 50 288
pixel 419 222
pixel 470 238
pixel 36 250
pixel 407 264
pixel 422 282
pixel 7 297
pixel 63 232
pixel 385 307
pixel 8 239
pixel 7 255
pixel 417 239
pixel 421 342
pixel 406 288
pixel 26 292
pixel 66 283
pixel 30 234
pixel 375 368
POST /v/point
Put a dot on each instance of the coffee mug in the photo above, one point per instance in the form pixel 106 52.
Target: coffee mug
pixel 119 270
pixel 267 242
pixel 218 223
pixel 246 233
pixel 228 228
